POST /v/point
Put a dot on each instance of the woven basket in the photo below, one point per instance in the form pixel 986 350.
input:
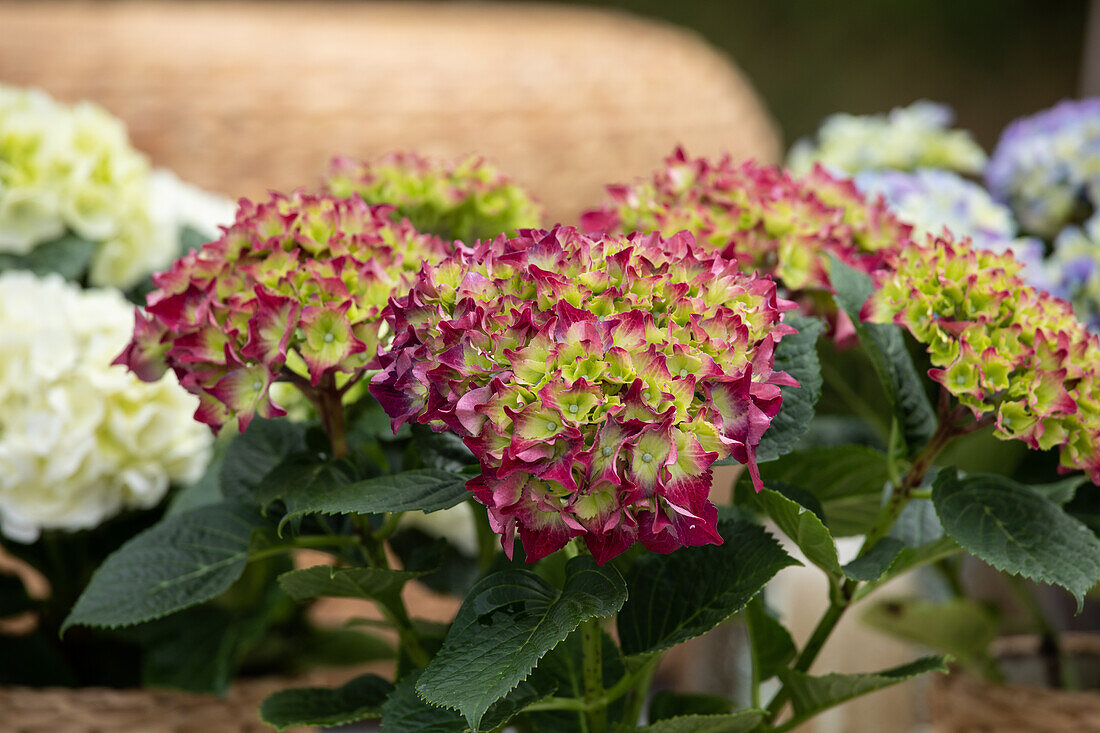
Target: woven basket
pixel 242 97
pixel 962 704
pixel 101 710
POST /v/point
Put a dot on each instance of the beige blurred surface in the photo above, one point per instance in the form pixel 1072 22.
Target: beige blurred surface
pixel 240 97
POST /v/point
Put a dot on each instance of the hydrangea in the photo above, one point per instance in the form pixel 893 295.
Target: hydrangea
pixel 1047 166
pixel 999 345
pixel 467 199
pixel 81 440
pixel 1074 268
pixel 72 169
pixel 933 199
pixel 596 379
pixel 771 222
pixel 917 136
pixel 293 289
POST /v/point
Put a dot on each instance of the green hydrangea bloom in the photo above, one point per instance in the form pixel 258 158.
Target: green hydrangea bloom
pixel 467 199
pixel 917 136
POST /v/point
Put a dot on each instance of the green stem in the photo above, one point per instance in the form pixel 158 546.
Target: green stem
pixel 850 397
pixel 592 671
pixel 331 410
pixel 395 611
pixel 305 541
pixel 754 654
pixel 389 526
pixel 946 430
pixel 643 679
pixel 642 676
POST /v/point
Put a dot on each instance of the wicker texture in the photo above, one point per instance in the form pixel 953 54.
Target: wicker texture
pixel 98 710
pixel 243 97
pixel 963 704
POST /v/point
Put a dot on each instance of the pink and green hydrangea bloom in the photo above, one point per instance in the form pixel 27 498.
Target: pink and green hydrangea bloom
pixel 595 378
pixel 293 289
pixel 768 220
pixel 1000 346
pixel 467 199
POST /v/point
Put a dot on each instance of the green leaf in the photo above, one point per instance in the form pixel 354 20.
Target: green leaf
pixel 192 239
pixel 848 480
pixel 740 722
pixel 774 648
pixel 1017 530
pixel 960 627
pixel 322 647
pixel 207 490
pixel 180 562
pixel 561 671
pixel 358 699
pixel 923 541
pixel 199 649
pixel 811 695
pixel 795 354
pixel 885 345
pixel 252 455
pixel 918 524
pixel 406 712
pixel 300 475
pixel 447 569
pixel 427 489
pixel 874 564
pixel 506 624
pixel 69 257
pixel 378 584
pixel 687 593
pixel 804 528
pixel 444 451
pixel 1062 492
pixel 666 704
pixel 906 560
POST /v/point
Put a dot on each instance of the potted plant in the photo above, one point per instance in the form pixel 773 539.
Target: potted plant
pixel 579 386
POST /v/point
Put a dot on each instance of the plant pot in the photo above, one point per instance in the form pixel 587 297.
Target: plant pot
pixel 964 704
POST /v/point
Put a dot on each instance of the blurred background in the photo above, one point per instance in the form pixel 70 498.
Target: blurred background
pixel 992 60
pixel 240 97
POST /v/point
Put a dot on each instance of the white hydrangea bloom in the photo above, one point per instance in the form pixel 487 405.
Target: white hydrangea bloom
pixel 917 136
pixel 81 440
pixel 72 168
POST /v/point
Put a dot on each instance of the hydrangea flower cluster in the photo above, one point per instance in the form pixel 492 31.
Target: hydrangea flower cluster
pixel 1047 166
pixel 932 199
pixel 467 199
pixel 999 345
pixel 80 440
pixel 771 222
pixel 294 289
pixel 72 169
pixel 596 379
pixel 917 136
pixel 1074 269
